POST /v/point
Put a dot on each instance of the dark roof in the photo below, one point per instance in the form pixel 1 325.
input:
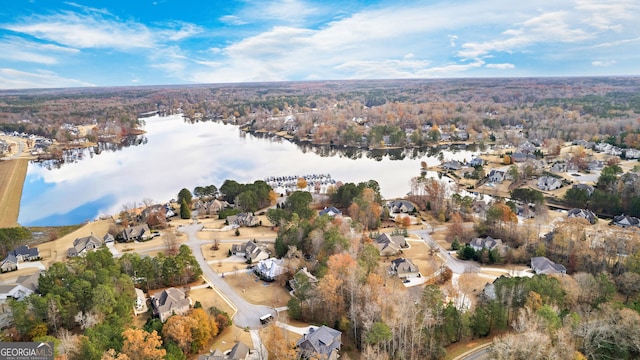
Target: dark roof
pixel 323 340
pixel 542 265
pixel 239 351
pixel 329 210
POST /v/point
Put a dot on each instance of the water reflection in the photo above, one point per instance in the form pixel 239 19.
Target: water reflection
pixel 176 155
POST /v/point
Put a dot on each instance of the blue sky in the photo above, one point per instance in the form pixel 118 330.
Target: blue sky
pixel 46 43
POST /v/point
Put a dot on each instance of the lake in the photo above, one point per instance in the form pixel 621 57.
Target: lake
pixel 175 155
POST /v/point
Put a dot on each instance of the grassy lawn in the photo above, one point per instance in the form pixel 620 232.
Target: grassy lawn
pixel 12 175
pixel 258 292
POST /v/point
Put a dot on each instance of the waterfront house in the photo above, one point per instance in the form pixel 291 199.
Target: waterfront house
pixel 84 244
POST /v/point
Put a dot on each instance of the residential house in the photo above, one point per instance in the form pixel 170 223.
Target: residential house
pixel 243 219
pixel 595 165
pixel 548 183
pixel 239 351
pixel 171 301
pixel 136 233
pixel 626 221
pixel 24 286
pixel 269 269
pixel 521 157
pixel 632 154
pixel 496 176
pixel 331 211
pixel 251 251
pixel 24 253
pixel 404 268
pixel 476 161
pixel 588 188
pixel 310 279
pixel 559 167
pixel 321 343
pixel 488 243
pixel 583 213
pixel 140 306
pixel 84 244
pixel 401 206
pixel 452 165
pixel 461 135
pixel 390 245
pixel 542 265
pixel 108 238
pixel 10 263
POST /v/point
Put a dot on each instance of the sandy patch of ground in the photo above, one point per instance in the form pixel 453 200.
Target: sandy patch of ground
pixel 229 337
pixel 55 251
pixel 258 292
pixel 12 175
pixel 421 255
pixel 214 229
pixel 208 298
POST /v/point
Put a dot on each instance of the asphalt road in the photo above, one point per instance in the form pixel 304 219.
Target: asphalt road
pixel 456 265
pixel 247 314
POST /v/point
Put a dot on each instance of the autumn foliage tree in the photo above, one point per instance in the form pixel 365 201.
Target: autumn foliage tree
pixel 139 344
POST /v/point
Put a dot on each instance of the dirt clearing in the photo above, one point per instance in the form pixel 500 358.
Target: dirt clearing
pixel 12 175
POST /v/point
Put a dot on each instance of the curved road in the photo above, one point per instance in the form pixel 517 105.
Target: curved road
pixel 456 265
pixel 247 314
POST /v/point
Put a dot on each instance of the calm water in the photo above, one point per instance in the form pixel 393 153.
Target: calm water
pixel 178 155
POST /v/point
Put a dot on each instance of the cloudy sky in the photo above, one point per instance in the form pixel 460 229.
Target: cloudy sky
pixel 47 43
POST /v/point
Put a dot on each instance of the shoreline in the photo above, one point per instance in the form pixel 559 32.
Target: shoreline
pixel 13 174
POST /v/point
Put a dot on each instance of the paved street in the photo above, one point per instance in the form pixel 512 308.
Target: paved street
pixel 457 266
pixel 247 314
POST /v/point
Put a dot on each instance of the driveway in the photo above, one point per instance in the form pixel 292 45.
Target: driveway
pixel 247 314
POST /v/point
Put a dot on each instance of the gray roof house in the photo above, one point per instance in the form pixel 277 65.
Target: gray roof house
pixel 583 213
pixel 476 161
pixel 251 251
pixel 389 245
pixel 452 165
pixel 24 253
pixel 269 269
pixel 626 221
pixel 10 263
pixel 404 268
pixel 239 351
pixel 401 206
pixel 542 265
pixel 488 243
pixel 135 233
pixel 84 244
pixel 323 343
pixel 243 219
pixel 548 183
pixel 170 302
pixel 588 188
pixel 24 286
pixel 330 210
pixel 496 176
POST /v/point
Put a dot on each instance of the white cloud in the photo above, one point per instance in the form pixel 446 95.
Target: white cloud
pixel 504 66
pixel 547 27
pixel 16 79
pixel 17 49
pixel 603 63
pixel 86 31
pixel 99 29
pixel 452 40
pixel 232 20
